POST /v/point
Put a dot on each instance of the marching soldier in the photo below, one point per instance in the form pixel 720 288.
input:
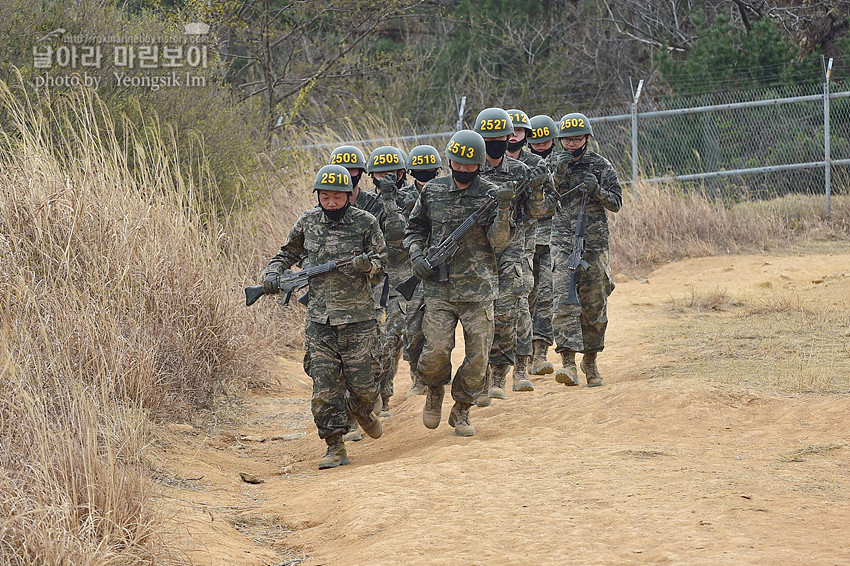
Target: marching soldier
pixel 341 330
pixel 424 164
pixel 524 327
pixel 541 138
pixel 581 327
pixel 495 125
pixel 464 291
pixel 387 166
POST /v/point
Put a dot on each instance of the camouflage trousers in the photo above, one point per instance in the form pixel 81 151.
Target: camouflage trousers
pixel 581 328
pixel 341 360
pixel 414 339
pixel 523 327
pixel 393 341
pixel 511 288
pixel 541 298
pixel 438 324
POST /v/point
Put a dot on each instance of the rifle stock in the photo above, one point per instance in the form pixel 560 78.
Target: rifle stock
pixel 252 294
pixel 407 287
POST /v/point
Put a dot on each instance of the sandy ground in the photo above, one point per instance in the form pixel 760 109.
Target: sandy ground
pixel 676 460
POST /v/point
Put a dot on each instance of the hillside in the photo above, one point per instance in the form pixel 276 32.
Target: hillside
pixel 721 437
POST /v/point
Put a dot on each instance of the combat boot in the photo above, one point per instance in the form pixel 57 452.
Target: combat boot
pixel 539 364
pixel 431 414
pixel 568 375
pixel 353 434
pixel 370 424
pixel 335 456
pixel 588 366
pixel 497 385
pixel 385 407
pixel 418 388
pixel 521 381
pixel 483 399
pixel 459 419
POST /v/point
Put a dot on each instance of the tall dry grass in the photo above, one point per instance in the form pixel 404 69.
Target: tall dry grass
pixel 665 223
pixel 116 306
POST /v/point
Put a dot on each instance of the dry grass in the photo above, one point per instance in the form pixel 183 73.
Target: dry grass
pixel 778 342
pixel 666 224
pixel 798 454
pixel 116 308
pixel 716 300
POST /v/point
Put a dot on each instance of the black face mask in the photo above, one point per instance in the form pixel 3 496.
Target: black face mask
pixel 516 146
pixel 496 148
pixel 464 177
pixel 335 215
pixel 400 183
pixel 423 176
pixel 579 152
pixel 356 179
pixel 545 153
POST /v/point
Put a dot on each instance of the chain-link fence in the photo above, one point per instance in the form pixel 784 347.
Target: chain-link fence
pixel 735 144
pixel 731 145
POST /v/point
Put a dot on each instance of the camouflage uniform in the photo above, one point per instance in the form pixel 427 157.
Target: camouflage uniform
pixel 392 225
pixel 414 309
pixel 341 331
pixel 524 328
pixel 398 269
pixel 468 294
pixel 581 328
pixel 540 299
pixel 511 258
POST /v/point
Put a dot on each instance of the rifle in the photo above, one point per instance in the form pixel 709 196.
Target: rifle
pixel 293 280
pixel 560 197
pixel 576 262
pixel 438 256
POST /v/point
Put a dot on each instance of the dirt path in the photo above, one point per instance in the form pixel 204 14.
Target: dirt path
pixel 676 460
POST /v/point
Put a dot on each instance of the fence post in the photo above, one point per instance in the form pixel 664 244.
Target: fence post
pixel 460 112
pixel 827 172
pixel 635 139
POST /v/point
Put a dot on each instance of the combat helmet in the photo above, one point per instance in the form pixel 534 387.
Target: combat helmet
pixel 493 123
pixel 519 119
pixel 467 146
pixel 333 178
pixel 574 124
pixel 386 158
pixel 543 129
pixel 349 157
pixel 424 157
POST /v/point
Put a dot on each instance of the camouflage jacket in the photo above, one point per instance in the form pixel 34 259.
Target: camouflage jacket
pixel 568 174
pixel 398 267
pixel 392 224
pixel 441 208
pixel 389 217
pixel 342 296
pixel 523 212
pixel 540 167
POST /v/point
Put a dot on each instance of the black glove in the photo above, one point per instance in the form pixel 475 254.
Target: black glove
pixel 271 283
pixel 387 186
pixel 591 184
pixel 362 262
pixel 421 268
pixel 505 193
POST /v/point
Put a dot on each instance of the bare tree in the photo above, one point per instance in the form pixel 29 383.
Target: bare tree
pixel 282 50
pixel 811 24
